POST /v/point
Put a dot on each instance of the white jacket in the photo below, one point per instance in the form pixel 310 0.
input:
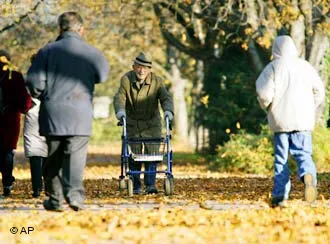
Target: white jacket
pixel 290 89
pixel 34 144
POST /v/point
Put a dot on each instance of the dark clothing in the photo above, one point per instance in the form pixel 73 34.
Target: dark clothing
pixel 6 167
pixel 15 100
pixel 141 104
pixel 64 168
pixel 36 163
pixel 149 179
pixel 63 76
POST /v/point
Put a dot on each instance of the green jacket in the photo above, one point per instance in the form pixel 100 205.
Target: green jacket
pixel 141 104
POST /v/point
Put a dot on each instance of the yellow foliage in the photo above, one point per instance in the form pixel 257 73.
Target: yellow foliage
pixel 245 46
pixel 167 82
pixel 205 100
pixel 265 41
pixel 248 31
pixel 222 32
pixel 183 37
pixel 3 59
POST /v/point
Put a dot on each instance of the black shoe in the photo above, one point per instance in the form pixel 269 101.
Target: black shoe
pixel 50 207
pixel 7 190
pixel 76 206
pixel 36 194
pixel 279 202
pixel 151 190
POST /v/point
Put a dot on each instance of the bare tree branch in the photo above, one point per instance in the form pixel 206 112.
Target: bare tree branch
pixel 181 20
pixel 21 18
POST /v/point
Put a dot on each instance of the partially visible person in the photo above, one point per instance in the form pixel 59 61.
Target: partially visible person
pixel 63 77
pixel 14 100
pixel 137 99
pixel 292 92
pixel 35 146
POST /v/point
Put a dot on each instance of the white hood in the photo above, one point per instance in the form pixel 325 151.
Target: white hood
pixel 290 89
pixel 284 47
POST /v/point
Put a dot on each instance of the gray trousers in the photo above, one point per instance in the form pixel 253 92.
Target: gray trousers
pixel 63 169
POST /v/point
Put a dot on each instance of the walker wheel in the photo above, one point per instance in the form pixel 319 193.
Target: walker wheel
pixel 122 184
pixel 169 186
pixel 130 187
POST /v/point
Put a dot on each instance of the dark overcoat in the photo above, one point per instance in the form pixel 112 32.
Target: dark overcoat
pixel 63 76
pixel 16 100
pixel 141 104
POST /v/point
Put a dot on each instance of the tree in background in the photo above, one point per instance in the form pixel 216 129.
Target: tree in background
pixel 220 48
pixel 232 39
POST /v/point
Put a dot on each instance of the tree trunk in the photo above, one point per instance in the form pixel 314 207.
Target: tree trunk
pixel 196 127
pixel 319 47
pixel 178 90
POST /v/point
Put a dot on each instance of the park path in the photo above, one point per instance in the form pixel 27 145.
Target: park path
pixel 195 187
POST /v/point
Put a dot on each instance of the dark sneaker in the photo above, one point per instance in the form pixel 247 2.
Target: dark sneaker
pixel 50 207
pixel 76 206
pixel 282 204
pixel 151 190
pixel 279 202
pixel 36 194
pixel 7 190
pixel 310 190
pixel 137 191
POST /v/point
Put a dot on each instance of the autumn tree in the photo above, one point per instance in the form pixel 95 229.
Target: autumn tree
pixel 233 40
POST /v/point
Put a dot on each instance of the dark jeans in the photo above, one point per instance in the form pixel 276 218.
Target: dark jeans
pixel 149 179
pixel 144 148
pixel 64 168
pixel 36 163
pixel 6 166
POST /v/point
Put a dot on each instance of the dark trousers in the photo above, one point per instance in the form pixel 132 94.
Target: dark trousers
pixel 149 179
pixel 36 163
pixel 6 166
pixel 64 168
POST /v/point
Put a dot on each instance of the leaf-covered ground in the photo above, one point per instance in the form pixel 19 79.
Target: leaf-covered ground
pixel 207 207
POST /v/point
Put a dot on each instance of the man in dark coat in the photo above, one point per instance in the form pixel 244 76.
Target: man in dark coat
pixel 138 98
pixel 14 100
pixel 63 77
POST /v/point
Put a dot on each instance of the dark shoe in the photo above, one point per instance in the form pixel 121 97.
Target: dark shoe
pixel 76 206
pixel 151 190
pixel 137 191
pixel 7 190
pixel 282 204
pixel 279 202
pixel 36 194
pixel 50 207
pixel 310 190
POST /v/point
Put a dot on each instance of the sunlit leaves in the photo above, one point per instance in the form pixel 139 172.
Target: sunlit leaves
pixel 7 9
pixel 195 221
pixel 3 59
pixel 205 100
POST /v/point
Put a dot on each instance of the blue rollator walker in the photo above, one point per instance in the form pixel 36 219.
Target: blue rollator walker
pixel 157 150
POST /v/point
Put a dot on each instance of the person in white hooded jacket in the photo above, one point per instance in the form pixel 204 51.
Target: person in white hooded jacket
pixel 292 92
pixel 35 147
